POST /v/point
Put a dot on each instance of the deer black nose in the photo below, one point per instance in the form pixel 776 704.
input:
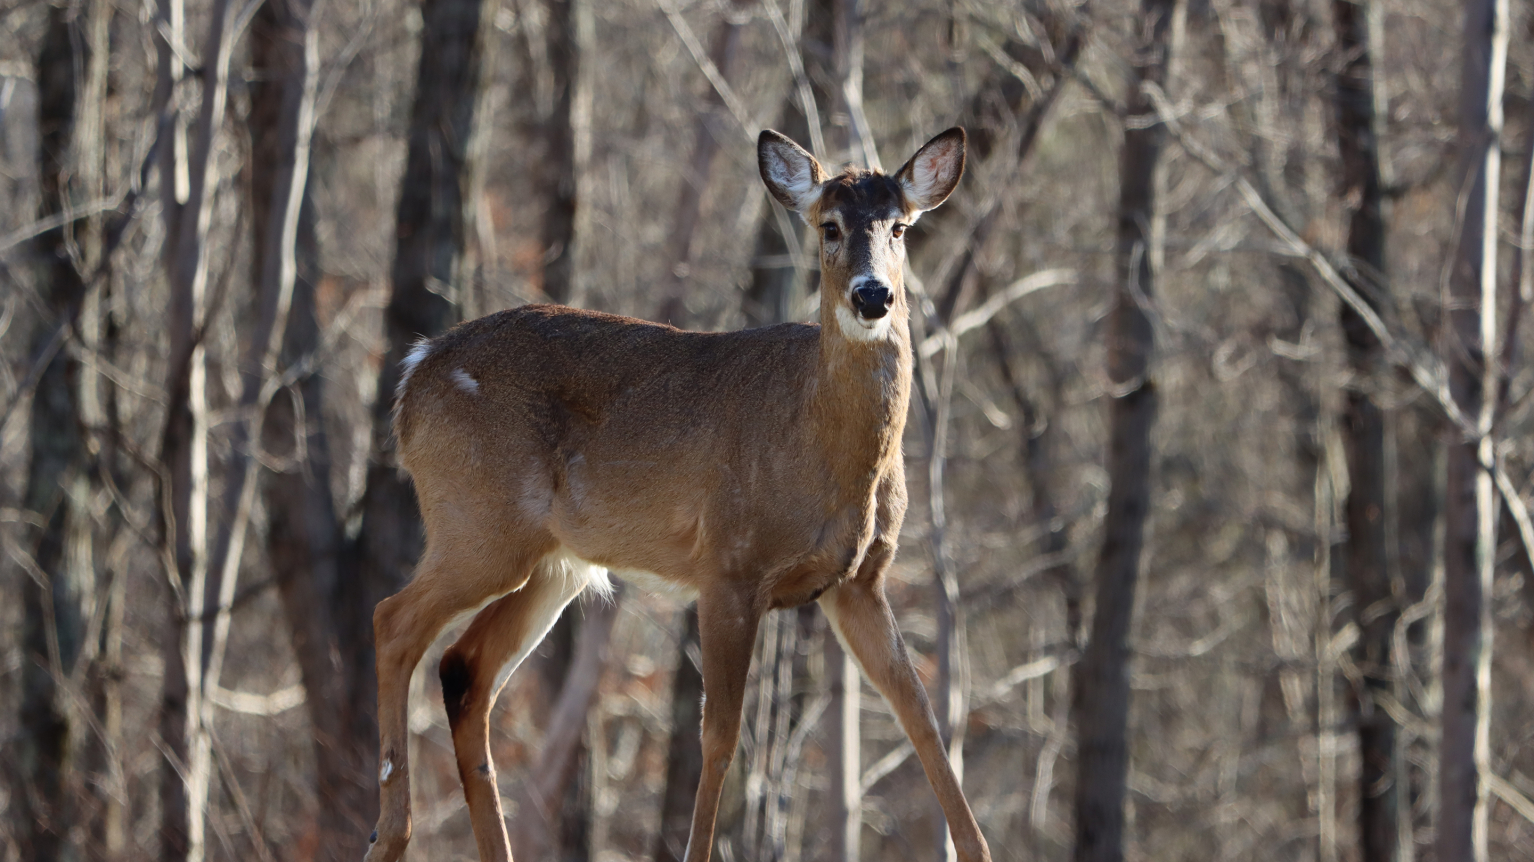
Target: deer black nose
pixel 872 301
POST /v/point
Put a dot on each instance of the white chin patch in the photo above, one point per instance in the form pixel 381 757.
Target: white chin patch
pixel 858 329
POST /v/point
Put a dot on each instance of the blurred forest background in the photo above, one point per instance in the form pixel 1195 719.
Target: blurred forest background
pixel 1220 468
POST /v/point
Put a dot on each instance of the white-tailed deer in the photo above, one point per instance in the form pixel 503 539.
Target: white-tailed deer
pixel 752 470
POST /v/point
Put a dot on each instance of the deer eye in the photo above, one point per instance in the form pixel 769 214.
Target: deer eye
pixel 831 232
pixel 898 230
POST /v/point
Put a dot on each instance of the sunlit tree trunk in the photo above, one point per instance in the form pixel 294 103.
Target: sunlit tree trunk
pixel 1470 505
pixel 183 512
pixel 1101 689
pixel 844 142
pixel 104 799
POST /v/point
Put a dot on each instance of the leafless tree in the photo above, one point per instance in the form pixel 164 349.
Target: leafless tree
pixel 183 478
pixel 1363 426
pixel 59 581
pixel 1101 686
pixel 1470 501
pixel 562 45
pixel 1296 639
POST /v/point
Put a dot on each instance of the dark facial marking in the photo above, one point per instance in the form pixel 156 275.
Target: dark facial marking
pixel 861 198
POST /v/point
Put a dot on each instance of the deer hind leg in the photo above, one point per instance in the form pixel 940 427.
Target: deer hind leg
pixel 446 585
pixel 476 667
pixel 727 625
pixel 862 619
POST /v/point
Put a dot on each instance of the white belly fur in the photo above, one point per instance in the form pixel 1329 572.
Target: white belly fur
pixel 595 576
pixel 653 583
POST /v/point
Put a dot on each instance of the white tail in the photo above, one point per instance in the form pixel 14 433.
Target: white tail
pixel 752 470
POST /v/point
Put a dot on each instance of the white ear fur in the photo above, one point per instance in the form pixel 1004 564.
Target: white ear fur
pixel 791 174
pixel 933 173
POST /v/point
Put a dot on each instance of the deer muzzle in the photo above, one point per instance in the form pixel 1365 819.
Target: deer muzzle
pixel 872 301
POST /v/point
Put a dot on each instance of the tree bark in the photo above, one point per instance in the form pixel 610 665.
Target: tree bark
pixel 684 760
pixel 951 695
pixel 1366 562
pixel 185 772
pixel 539 815
pixel 58 579
pixel 1101 688
pixel 559 168
pixel 844 751
pixel 843 141
pixel 283 55
pixel 303 533
pixel 1470 513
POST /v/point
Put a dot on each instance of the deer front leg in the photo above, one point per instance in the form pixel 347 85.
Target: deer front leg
pixel 727 624
pixel 862 619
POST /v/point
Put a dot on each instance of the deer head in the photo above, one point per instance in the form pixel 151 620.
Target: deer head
pixel 862 217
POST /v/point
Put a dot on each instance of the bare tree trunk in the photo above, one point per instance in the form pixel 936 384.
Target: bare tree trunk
pixel 170 21
pixel 952 689
pixel 684 760
pixel 1363 426
pixel 103 801
pixel 184 453
pixel 282 124
pixel 844 750
pixel 58 577
pixel 565 822
pixel 563 826
pixel 303 533
pixel 1522 283
pixel 1470 549
pixel 1101 689
pixel 562 43
pixel 537 834
pixel 553 664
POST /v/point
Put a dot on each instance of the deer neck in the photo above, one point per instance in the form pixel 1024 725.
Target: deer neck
pixel 862 393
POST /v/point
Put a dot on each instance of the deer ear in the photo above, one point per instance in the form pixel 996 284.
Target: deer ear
pixel 931 175
pixel 791 174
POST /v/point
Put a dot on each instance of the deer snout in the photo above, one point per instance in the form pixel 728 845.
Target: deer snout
pixel 872 300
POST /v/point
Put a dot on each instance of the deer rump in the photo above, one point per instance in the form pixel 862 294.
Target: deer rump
pixel 667 457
